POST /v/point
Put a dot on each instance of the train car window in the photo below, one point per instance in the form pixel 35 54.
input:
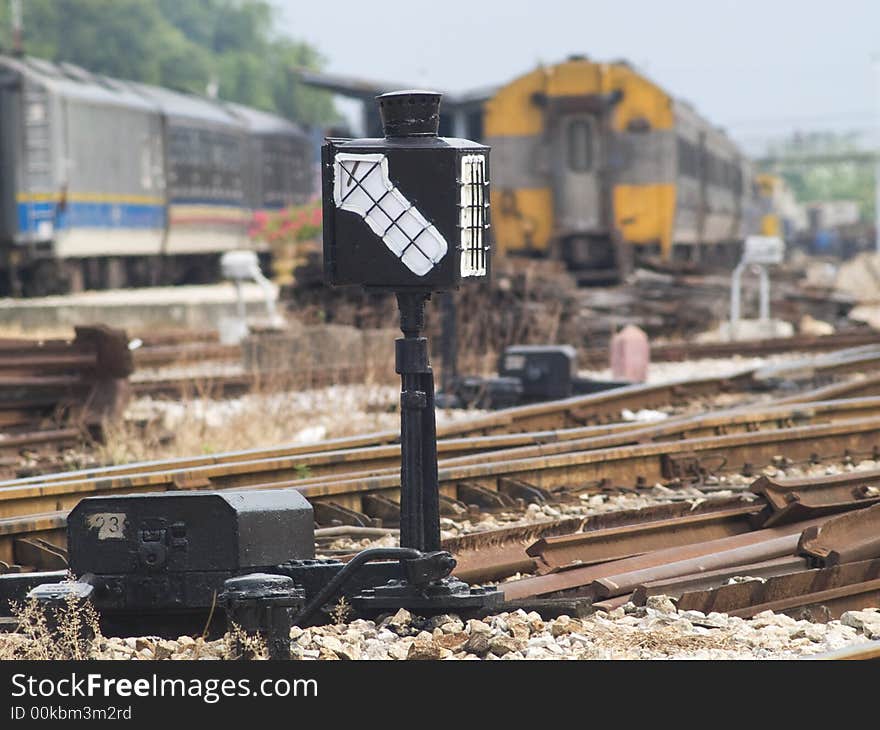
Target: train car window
pixel 580 145
pixel 684 161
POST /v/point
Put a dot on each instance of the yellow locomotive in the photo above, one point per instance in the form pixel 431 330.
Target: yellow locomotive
pixel 593 162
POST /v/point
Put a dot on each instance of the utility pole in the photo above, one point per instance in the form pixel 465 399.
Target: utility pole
pixel 17 25
pixel 876 64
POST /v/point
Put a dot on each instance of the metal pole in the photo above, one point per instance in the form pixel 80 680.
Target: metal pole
pixel 735 303
pixel 419 490
pixel 448 341
pixel 240 306
pixel 765 293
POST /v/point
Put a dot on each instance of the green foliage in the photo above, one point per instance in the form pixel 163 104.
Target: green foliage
pixel 847 175
pixel 189 45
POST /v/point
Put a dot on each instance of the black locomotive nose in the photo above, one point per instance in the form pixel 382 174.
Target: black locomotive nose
pixel 411 113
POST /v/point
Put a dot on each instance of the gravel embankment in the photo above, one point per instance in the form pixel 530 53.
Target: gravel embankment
pixel 655 631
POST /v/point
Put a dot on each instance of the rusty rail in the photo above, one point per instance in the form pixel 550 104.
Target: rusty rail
pixel 379 460
pixel 56 393
pixel 820 594
pixel 679 351
pixel 664 563
pixel 843 539
pixel 791 500
pixel 868 651
pixel 615 543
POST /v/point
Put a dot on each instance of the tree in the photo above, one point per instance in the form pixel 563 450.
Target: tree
pixel 188 45
pixel 838 168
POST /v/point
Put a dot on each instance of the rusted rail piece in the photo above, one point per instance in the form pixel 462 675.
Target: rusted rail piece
pixel 56 393
pixel 844 539
pixel 758 549
pixel 675 587
pixel 816 569
pixel 622 576
pixel 82 379
pixel 178 354
pixel 621 542
pixel 819 594
pixel 791 500
pixel 868 651
pixel 499 553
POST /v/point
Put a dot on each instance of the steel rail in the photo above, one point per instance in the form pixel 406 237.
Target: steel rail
pixel 321 468
pixel 598 409
pixel 680 351
pixel 616 464
pixel 869 651
pixel 791 500
pixel 621 542
pixel 626 574
pixel 620 465
pixel 831 591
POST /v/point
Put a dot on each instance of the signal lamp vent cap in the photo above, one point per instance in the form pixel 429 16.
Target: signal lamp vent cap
pixel 411 113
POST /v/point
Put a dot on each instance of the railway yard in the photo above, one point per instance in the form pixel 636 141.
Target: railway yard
pixel 514 333
pixel 726 508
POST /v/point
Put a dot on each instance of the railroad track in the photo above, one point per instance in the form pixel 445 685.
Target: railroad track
pixel 834 431
pixel 186 349
pixel 679 351
pixel 591 420
pixel 557 453
pixel 55 393
pixel 818 566
pixel 176 348
pixel 583 421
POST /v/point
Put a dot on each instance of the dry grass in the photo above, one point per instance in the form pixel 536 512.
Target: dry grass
pixel 238 644
pixel 341 612
pixel 69 632
pixel 628 642
pixel 199 424
pixel 72 632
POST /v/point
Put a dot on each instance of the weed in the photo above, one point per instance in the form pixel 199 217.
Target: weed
pixel 70 631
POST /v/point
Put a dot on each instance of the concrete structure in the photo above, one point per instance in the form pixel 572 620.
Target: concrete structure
pixel 195 307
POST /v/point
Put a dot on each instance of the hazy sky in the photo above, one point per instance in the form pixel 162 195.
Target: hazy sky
pixel 759 68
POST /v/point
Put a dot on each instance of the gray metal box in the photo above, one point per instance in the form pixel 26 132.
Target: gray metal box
pixel 545 371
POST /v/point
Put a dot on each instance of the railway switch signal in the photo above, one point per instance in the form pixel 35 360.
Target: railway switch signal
pixel 409 214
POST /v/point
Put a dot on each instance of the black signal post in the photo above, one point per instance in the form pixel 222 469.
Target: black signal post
pixel 419 494
pixel 408 214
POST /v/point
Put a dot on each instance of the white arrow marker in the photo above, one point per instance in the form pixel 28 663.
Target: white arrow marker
pixel 362 186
